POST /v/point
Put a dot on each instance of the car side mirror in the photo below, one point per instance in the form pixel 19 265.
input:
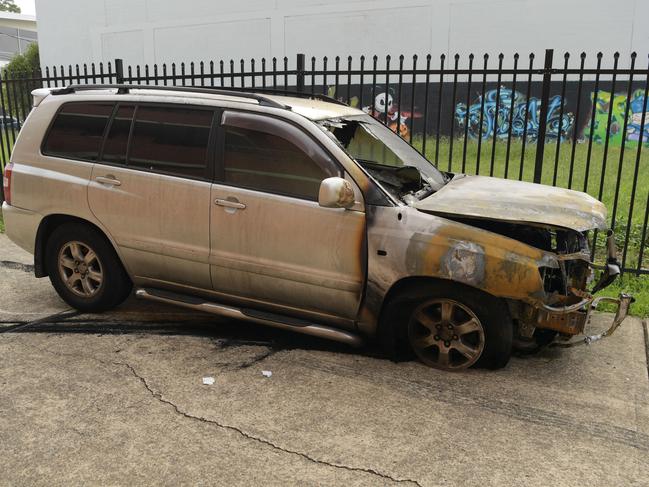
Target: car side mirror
pixel 336 193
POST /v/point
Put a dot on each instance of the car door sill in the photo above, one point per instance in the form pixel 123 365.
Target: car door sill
pixel 251 315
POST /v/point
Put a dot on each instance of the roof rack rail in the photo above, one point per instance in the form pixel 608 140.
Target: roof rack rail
pixel 251 93
pixel 122 89
pixel 296 94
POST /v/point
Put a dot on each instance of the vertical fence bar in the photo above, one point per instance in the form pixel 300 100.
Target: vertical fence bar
pixel 616 58
pixel 482 97
pixel 349 78
pixel 543 118
pixel 300 64
pixel 566 58
pixel 526 117
pixel 575 130
pixel 438 123
pixel 636 170
pixel 466 118
pixel 592 121
pixel 452 138
pixel 362 81
pixel 375 60
pixel 623 143
pixel 412 98
pixel 399 94
pixel 501 56
pixel 386 96
pixel 336 75
pixel 609 119
pixel 425 129
pixel 119 71
pixel 285 73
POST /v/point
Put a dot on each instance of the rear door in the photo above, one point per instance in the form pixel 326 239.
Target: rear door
pixel 151 190
pixel 271 241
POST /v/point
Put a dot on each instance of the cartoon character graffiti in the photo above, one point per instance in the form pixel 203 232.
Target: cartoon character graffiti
pixel 602 105
pixel 639 106
pixel 510 105
pixel 395 117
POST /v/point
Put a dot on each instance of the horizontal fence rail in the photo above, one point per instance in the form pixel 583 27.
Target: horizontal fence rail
pixel 575 122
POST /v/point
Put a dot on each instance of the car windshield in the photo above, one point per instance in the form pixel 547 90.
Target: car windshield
pixel 395 164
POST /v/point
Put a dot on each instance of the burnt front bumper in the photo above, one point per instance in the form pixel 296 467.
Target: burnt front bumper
pixel 574 319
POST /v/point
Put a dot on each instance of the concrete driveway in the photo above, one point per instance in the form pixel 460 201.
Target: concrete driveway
pixel 118 398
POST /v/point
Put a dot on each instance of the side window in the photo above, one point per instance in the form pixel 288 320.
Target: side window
pixel 78 130
pixel 273 156
pixel 171 140
pixel 116 142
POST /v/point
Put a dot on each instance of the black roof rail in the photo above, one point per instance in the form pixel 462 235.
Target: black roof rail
pixel 296 94
pixel 251 93
pixel 122 89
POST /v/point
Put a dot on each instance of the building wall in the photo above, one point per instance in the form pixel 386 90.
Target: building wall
pixel 155 31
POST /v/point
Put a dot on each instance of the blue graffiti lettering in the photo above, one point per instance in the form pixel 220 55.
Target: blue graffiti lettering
pixel 511 109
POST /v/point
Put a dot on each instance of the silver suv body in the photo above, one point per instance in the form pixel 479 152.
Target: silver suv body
pixel 299 213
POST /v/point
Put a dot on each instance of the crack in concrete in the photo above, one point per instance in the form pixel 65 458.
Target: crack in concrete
pixel 159 397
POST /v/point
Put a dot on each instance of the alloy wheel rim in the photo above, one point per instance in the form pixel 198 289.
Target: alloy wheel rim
pixel 446 334
pixel 80 269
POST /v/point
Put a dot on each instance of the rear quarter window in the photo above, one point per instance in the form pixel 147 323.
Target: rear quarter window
pixel 78 130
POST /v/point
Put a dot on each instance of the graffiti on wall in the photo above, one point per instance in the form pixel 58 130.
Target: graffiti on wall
pixel 511 107
pixel 638 105
pixel 397 119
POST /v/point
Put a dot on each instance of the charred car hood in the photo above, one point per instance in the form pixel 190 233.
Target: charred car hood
pixel 515 201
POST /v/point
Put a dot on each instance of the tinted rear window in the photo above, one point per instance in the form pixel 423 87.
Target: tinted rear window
pixel 171 140
pixel 78 130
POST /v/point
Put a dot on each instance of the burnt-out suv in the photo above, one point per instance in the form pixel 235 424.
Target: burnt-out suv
pixel 300 213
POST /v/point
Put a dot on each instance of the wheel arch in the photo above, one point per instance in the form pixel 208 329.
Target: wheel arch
pixel 45 228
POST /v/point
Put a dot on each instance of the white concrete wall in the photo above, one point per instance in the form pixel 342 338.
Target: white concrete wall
pixel 155 31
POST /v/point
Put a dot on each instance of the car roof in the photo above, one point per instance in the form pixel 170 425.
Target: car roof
pixel 311 106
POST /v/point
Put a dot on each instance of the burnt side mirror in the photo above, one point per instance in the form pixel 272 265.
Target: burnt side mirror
pixel 336 193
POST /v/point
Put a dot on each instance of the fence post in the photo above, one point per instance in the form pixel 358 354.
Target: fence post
pixel 543 116
pixel 119 71
pixel 301 61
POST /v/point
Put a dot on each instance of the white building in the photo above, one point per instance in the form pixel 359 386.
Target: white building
pixel 17 31
pixel 156 31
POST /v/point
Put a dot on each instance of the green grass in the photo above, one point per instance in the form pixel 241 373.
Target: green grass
pixel 2 223
pixel 638 287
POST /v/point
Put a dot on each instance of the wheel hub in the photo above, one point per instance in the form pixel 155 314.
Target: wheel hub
pixel 80 269
pixel 446 334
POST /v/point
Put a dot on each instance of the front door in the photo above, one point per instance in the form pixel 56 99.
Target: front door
pixel 270 240
pixel 153 193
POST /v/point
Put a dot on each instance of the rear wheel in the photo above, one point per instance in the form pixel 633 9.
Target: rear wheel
pixel 448 326
pixel 84 268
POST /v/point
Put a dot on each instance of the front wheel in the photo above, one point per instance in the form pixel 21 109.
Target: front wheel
pixel 84 269
pixel 449 326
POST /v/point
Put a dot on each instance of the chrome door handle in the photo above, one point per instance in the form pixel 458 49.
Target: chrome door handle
pixel 230 204
pixel 110 180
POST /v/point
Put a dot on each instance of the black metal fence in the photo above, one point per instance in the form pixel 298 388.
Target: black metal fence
pixel 482 115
